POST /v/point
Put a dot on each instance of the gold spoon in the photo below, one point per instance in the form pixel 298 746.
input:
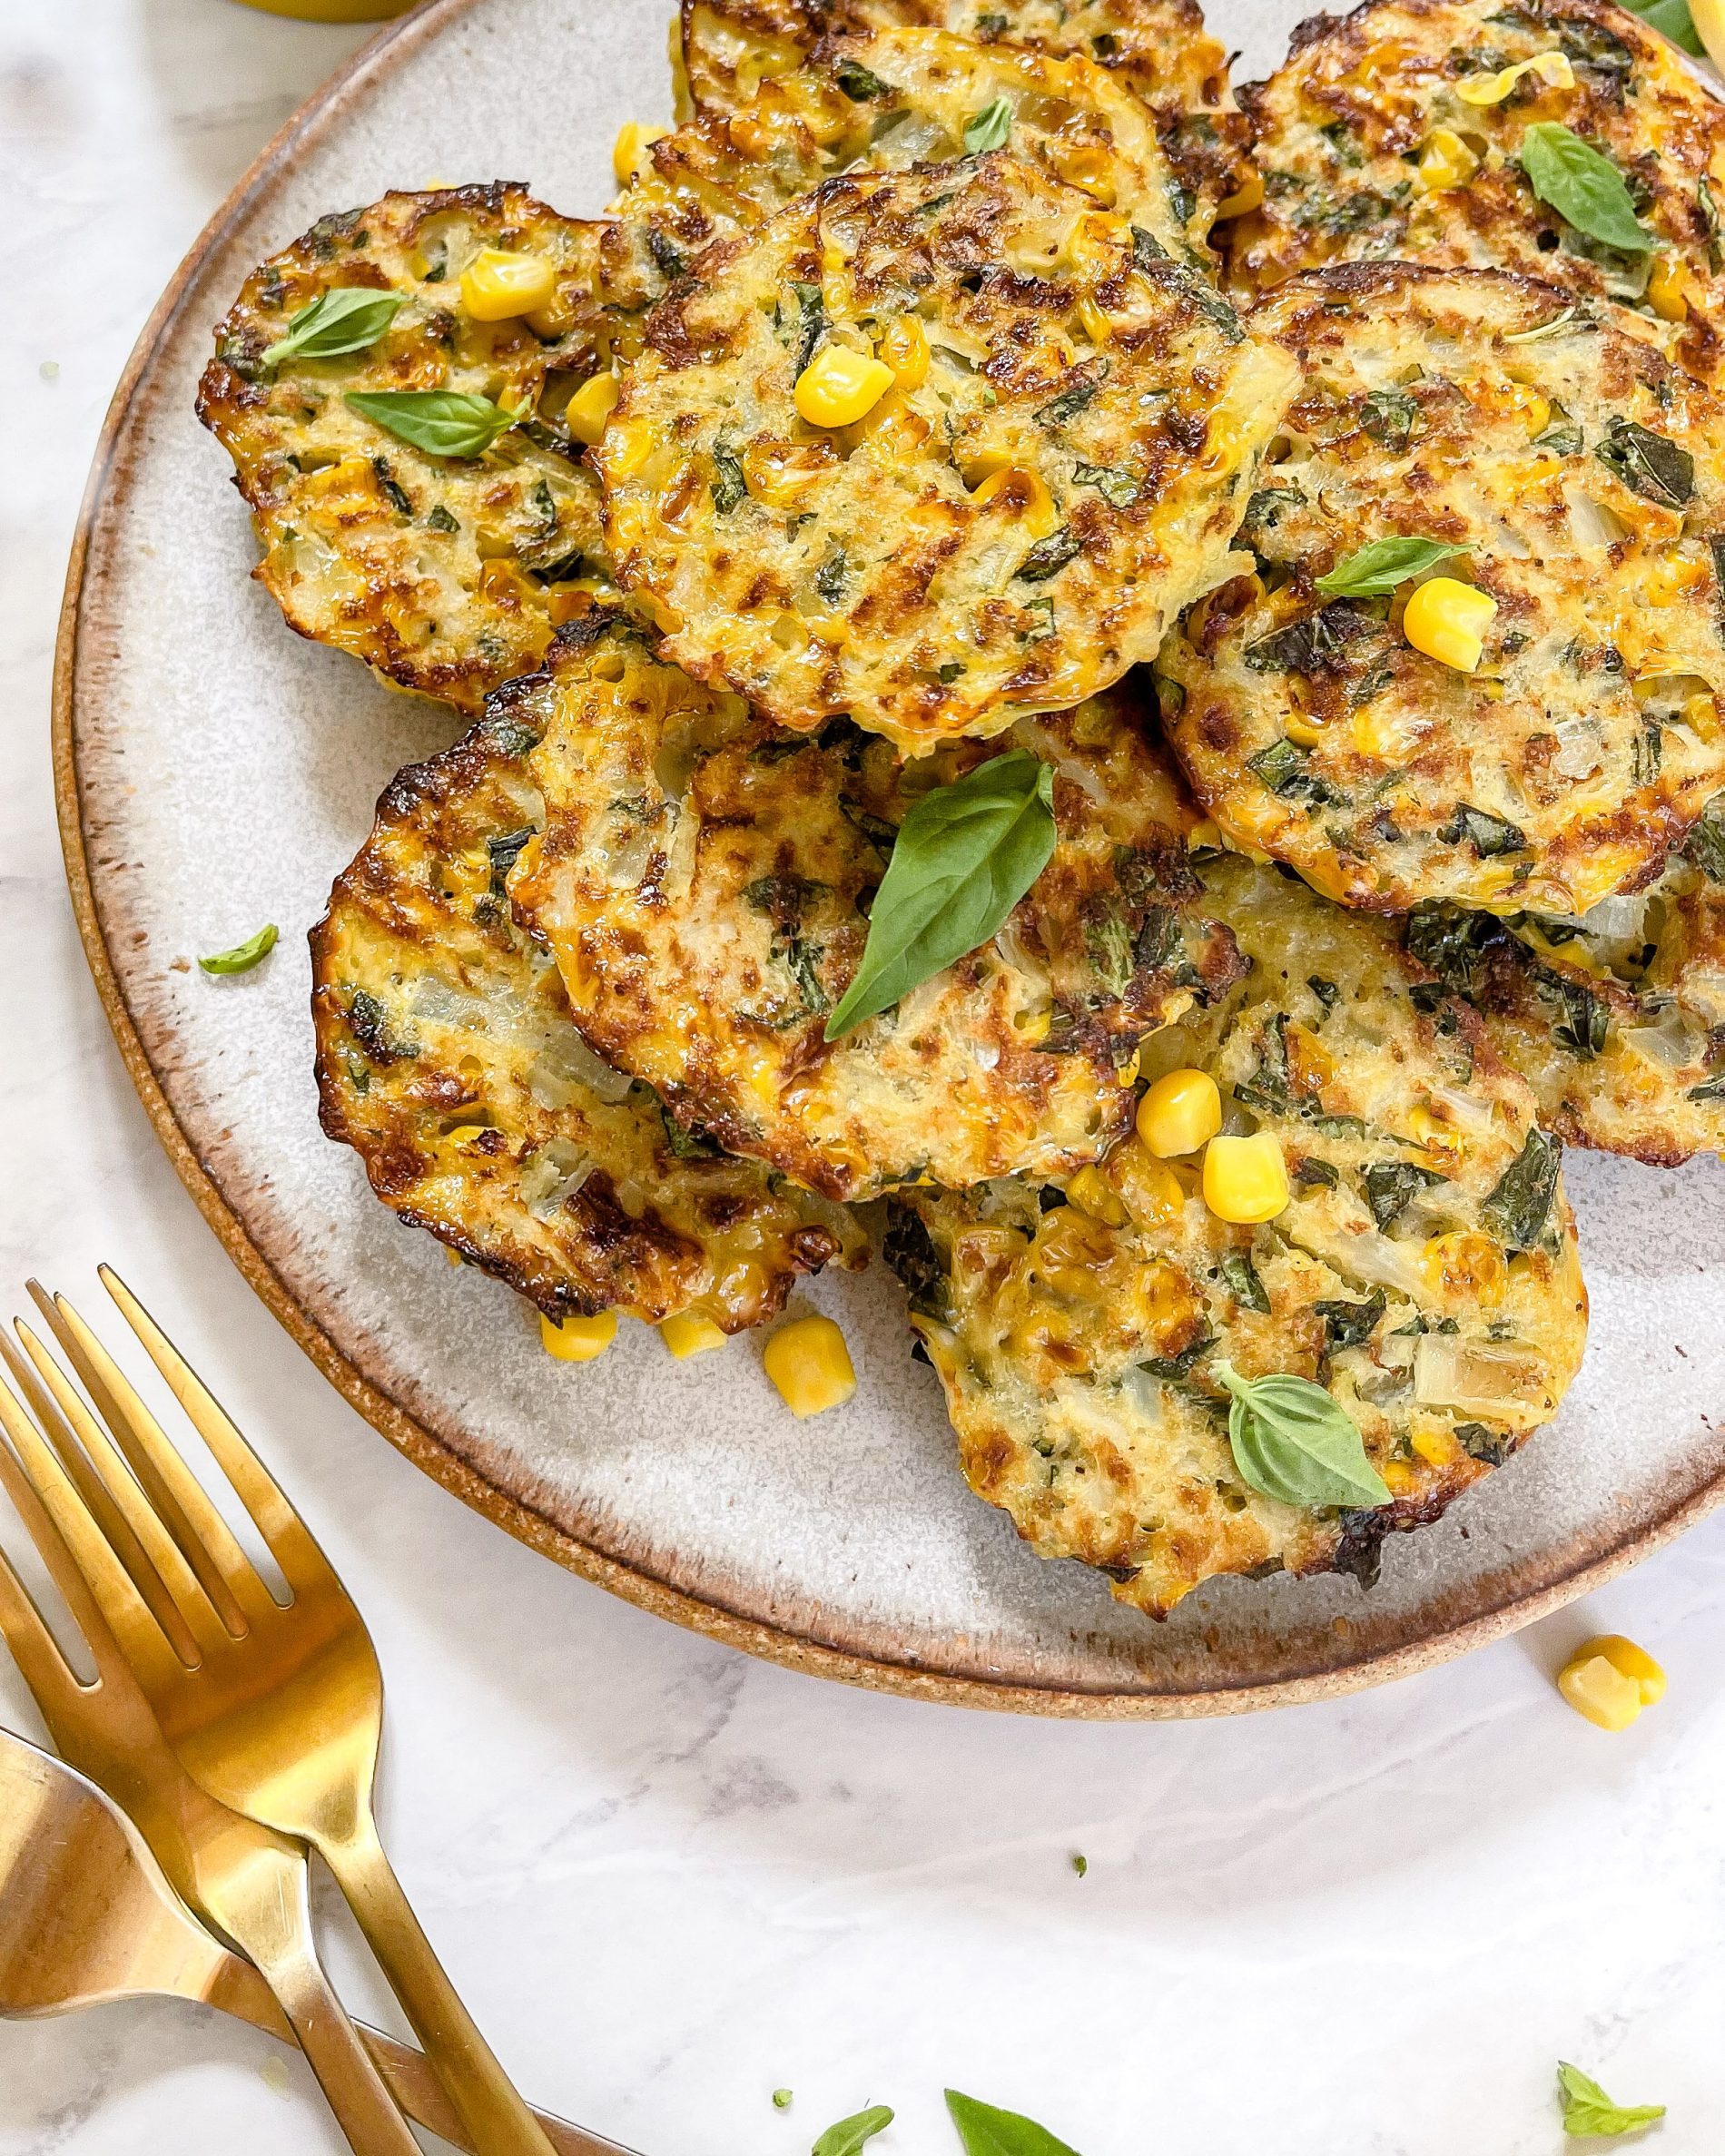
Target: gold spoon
pixel 86 1917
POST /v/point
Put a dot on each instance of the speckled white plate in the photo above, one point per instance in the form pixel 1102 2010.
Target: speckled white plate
pixel 215 772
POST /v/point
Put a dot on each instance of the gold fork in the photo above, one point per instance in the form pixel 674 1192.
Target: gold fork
pixel 85 1918
pixel 249 1882
pixel 275 1709
pixel 216 1862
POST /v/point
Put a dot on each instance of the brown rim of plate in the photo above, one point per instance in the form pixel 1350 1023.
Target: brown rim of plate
pixel 710 1618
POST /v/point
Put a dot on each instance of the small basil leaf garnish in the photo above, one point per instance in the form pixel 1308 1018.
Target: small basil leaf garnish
pixel 243 956
pixel 1375 570
pixel 849 2135
pixel 1649 464
pixel 1587 2109
pixel 1672 19
pixel 1293 1442
pixel 1583 186
pixel 988 2131
pixel 442 422
pixel 965 856
pixel 345 318
pixel 991 128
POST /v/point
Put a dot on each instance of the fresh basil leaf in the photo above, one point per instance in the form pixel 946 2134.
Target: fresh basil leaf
pixel 442 422
pixel 1583 186
pixel 1293 1442
pixel 243 956
pixel 345 318
pixel 965 856
pixel 1651 465
pixel 990 129
pixel 1672 19
pixel 1375 570
pixel 988 2131
pixel 849 2135
pixel 1587 2109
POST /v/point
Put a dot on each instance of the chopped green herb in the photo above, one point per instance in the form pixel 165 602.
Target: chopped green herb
pixel 1351 1324
pixel 858 83
pixel 1375 570
pixel 1486 833
pixel 1049 556
pixel 987 2131
pixel 439 519
pixel 1648 464
pixel 1588 2110
pixel 1392 1186
pixel 1068 403
pixel 1242 1283
pixel 1521 1203
pixel 1583 186
pixel 780 2100
pixel 1080 1865
pixel 1147 248
pixel 990 129
pixel 345 318
pixel 849 2135
pixel 730 488
pixel 1390 418
pixel 1585 1018
pixel 1286 770
pixel 244 956
pixel 1295 1444
pixel 1705 845
pixel 442 422
pixel 965 856
pixel 1118 488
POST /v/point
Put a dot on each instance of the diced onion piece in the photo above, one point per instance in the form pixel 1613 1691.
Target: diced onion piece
pixel 1502 1383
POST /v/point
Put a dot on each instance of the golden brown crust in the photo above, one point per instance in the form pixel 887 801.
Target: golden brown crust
pixel 1580 475
pixel 1439 1304
pixel 1118 406
pixel 704 880
pixel 445 575
pixel 1158 48
pixel 884 99
pixel 1341 128
pixel 447 1058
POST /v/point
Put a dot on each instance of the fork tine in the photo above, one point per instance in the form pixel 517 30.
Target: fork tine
pixel 98 1499
pixel 223 1570
pixel 34 1647
pixel 193 1621
pixel 127 1614
pixel 285 1533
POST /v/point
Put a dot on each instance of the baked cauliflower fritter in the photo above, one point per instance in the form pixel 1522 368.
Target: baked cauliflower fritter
pixel 1159 49
pixel 1073 430
pixel 446 575
pixel 447 1060
pixel 899 97
pixel 1580 479
pixel 1370 144
pixel 1617 1021
pixel 704 880
pixel 1424 1270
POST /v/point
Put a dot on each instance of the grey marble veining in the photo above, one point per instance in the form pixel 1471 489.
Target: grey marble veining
pixel 668 1879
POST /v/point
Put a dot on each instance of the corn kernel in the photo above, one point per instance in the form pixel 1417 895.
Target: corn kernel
pixel 633 140
pixel 1552 68
pixel 1536 414
pixel 1091 1191
pixel 592 405
pixel 577 1339
pixel 1026 497
pixel 839 387
pixel 1246 1178
pixel 1598 1691
pixel 1436 1447
pixel 628 448
pixel 1248 196
pixel 1700 716
pixel 1446 161
pixel 1669 288
pixel 1098 246
pixel 1181 1112
pixel 1629 1660
pixel 905 349
pixel 690 1332
pixel 1441 1140
pixel 496 286
pixel 1467 1264
pixel 1447 620
pixel 1097 326
pixel 809 1362
pixel 1152 1192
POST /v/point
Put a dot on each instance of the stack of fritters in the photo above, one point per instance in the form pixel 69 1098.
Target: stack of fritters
pixel 961 384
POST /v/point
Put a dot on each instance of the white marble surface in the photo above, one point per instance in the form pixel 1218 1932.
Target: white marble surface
pixel 668 1879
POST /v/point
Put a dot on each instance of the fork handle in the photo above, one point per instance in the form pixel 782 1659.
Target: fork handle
pixel 270 1919
pixel 236 1988
pixel 496 2120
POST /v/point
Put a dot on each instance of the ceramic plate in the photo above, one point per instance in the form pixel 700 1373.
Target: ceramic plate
pixel 215 772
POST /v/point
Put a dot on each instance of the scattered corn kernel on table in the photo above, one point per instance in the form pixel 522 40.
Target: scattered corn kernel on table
pixel 672 1881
